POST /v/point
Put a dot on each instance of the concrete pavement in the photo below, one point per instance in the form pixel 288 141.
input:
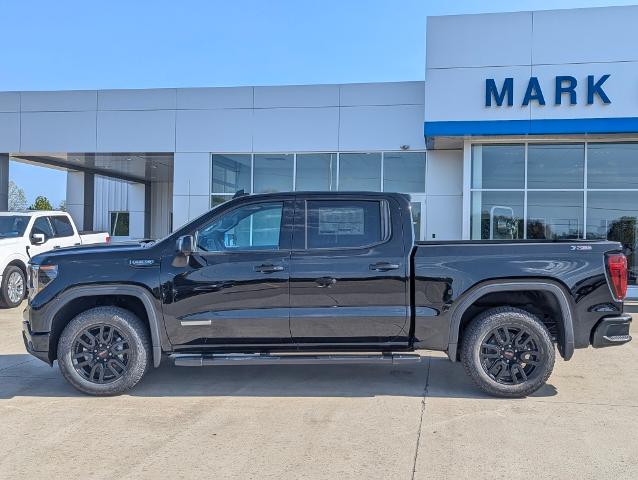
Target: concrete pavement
pixel 319 422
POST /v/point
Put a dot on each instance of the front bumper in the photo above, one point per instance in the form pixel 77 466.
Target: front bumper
pixel 37 344
pixel 611 331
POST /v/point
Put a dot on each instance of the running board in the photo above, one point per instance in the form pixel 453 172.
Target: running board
pixel 188 360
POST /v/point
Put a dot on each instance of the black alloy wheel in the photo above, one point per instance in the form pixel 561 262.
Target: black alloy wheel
pixel 508 352
pixel 100 354
pixel 105 351
pixel 510 355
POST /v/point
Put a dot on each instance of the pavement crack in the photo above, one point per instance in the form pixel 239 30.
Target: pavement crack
pixel 423 401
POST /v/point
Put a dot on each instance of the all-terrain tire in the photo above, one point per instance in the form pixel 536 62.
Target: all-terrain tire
pixel 131 334
pixel 8 290
pixel 507 356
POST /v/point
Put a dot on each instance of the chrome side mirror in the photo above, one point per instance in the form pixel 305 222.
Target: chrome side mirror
pixel 185 245
pixel 38 238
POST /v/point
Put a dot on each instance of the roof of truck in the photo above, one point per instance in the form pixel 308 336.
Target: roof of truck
pixel 33 213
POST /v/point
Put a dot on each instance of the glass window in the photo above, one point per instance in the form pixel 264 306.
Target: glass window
pixel 273 173
pixel 119 224
pixel 337 224
pixel 554 215
pixel 498 166
pixel 555 166
pixel 404 172
pixel 251 227
pixel 316 171
pixel 614 216
pixel 62 226
pixel 231 173
pixel 612 165
pixel 216 200
pixel 360 171
pixel 42 225
pixel 497 215
pixel 415 208
pixel 13 225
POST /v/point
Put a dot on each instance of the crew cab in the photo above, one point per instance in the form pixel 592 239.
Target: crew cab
pixel 322 277
pixel 29 233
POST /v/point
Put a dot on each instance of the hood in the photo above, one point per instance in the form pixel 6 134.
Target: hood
pixel 89 252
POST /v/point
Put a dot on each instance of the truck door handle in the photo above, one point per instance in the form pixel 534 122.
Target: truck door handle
pixel 325 282
pixel 384 266
pixel 268 268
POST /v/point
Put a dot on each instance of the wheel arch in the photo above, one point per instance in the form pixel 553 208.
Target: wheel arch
pixel 15 261
pixel 79 299
pixel 549 287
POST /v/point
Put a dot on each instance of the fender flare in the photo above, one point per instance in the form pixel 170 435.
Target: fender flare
pixel 128 290
pixel 566 348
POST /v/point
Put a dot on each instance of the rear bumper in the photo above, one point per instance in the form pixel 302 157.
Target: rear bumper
pixel 37 344
pixel 611 331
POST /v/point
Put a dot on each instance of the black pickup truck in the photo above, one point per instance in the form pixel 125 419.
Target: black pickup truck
pixel 322 277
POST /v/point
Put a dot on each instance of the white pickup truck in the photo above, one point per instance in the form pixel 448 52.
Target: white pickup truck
pixel 25 234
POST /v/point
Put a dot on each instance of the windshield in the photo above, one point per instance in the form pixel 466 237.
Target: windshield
pixel 13 225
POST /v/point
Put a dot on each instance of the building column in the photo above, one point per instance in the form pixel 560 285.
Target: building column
pixel 80 198
pixel 4 182
pixel 148 198
pixel 137 210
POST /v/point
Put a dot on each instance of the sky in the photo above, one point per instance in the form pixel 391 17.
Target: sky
pixel 62 45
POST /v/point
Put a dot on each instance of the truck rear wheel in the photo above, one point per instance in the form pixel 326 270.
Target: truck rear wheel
pixel 104 351
pixel 508 352
pixel 13 288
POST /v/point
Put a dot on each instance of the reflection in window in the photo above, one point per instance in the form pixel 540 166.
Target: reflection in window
pixel 231 173
pixel 404 172
pixel 555 166
pixel 273 173
pixel 497 215
pixel 335 224
pixel 42 225
pixel 498 166
pixel 216 200
pixel 554 215
pixel 316 172
pixel 614 216
pixel 244 228
pixel 119 224
pixel 62 226
pixel 360 171
pixel 612 165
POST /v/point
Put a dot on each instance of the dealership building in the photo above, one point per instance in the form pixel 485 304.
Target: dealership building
pixel 526 127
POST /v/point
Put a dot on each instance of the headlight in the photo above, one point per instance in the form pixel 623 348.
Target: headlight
pixel 39 277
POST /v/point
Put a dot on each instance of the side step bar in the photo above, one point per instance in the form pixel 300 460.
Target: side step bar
pixel 188 360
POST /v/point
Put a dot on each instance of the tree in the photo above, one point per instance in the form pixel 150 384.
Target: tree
pixel 41 203
pixel 17 198
pixel 62 206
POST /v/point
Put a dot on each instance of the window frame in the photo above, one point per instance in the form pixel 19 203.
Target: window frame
pixel 545 141
pixel 112 230
pixel 384 215
pixel 287 210
pixel 337 188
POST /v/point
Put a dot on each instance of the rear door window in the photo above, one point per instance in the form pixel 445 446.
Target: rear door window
pixel 345 224
pixel 62 226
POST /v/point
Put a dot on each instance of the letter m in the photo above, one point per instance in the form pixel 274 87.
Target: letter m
pixel 492 91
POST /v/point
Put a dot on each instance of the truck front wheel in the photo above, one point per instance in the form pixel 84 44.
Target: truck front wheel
pixel 508 352
pixel 13 288
pixel 104 351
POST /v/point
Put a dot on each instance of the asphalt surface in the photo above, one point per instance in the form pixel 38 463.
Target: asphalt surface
pixel 319 422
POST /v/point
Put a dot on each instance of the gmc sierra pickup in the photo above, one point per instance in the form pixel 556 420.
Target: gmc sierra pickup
pixel 322 277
